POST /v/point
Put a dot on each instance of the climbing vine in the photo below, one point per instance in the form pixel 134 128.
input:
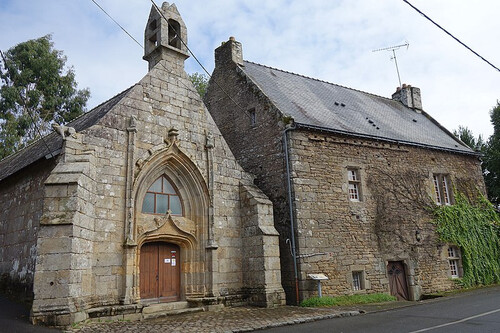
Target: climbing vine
pixel 475 228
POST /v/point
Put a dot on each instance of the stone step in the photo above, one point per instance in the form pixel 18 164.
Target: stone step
pixel 168 309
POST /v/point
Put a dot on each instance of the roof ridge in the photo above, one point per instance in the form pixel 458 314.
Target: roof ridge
pixel 101 104
pixel 319 80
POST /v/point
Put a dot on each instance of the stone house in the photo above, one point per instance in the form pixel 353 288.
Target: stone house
pixel 350 175
pixel 138 206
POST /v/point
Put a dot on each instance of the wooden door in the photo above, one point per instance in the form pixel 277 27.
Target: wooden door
pixel 160 271
pixel 397 280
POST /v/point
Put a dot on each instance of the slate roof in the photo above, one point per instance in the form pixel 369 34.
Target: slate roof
pixel 325 106
pixel 52 143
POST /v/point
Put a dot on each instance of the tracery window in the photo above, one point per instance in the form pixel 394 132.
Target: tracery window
pixel 161 197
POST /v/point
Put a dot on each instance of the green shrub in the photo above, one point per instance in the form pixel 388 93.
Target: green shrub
pixel 346 300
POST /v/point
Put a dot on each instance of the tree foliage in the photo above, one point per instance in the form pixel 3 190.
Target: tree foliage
pixel 491 158
pixel 200 82
pixel 36 90
pixel 467 137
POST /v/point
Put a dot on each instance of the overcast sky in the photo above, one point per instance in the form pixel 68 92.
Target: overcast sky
pixel 331 40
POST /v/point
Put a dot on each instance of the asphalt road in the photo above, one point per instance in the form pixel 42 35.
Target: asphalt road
pixel 14 318
pixel 477 311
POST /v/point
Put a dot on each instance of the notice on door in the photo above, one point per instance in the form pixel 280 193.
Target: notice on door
pixel 173 261
pixel 166 260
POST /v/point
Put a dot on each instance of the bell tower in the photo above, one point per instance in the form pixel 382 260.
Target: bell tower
pixel 165 37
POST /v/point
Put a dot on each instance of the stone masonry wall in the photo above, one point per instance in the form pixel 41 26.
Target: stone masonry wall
pixel 262 275
pixel 334 235
pixel 338 236
pixel 64 279
pixel 257 147
pixel 21 199
pixel 164 99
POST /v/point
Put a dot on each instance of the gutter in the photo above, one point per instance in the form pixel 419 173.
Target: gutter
pixel 290 207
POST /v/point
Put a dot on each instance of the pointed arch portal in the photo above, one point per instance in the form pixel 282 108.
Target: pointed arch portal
pixel 166 256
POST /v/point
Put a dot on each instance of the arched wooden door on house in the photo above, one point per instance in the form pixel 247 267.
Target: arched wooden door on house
pixel 160 271
pixel 397 280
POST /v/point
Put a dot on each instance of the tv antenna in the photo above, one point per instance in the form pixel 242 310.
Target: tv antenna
pixel 393 49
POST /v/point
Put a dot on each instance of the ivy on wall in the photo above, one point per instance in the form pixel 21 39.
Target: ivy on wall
pixel 475 228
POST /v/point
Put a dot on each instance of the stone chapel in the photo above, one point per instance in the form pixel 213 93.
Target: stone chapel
pixel 138 206
pixel 151 202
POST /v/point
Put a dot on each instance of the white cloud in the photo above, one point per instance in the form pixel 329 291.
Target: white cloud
pixel 329 40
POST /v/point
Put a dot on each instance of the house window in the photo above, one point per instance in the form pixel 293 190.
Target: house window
pixel 161 198
pixel 442 193
pixel 354 185
pixel 357 280
pixel 454 261
pixel 253 117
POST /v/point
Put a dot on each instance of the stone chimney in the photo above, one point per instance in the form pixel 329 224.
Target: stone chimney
pixel 409 96
pixel 230 51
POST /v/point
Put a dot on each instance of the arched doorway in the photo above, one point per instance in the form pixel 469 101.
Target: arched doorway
pixel 397 280
pixel 159 267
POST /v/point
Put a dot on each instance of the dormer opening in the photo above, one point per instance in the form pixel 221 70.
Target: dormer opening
pixel 174 33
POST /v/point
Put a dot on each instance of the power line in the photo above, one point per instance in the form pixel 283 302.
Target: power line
pixel 182 41
pixel 118 24
pixel 135 40
pixel 455 38
pixel 195 58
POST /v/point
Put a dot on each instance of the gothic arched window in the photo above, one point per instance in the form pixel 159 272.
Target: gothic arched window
pixel 161 197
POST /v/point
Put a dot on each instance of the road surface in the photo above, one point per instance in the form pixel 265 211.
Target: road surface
pixel 477 311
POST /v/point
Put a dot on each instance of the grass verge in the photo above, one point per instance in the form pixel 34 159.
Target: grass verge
pixel 346 300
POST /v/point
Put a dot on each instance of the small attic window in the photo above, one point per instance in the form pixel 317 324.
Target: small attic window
pixel 174 33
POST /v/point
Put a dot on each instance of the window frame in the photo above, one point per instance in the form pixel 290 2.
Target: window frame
pixel 253 117
pixel 163 192
pixel 454 261
pixel 358 280
pixel 441 186
pixel 354 185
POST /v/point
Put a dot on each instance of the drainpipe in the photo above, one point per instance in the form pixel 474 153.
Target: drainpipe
pixel 290 206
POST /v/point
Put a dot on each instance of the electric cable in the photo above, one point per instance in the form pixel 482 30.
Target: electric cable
pixel 196 59
pixel 135 40
pixel 448 33
pixel 118 24
pixel 182 41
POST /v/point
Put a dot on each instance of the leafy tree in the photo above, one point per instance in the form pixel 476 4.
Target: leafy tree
pixel 200 82
pixel 492 158
pixel 36 90
pixel 466 136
